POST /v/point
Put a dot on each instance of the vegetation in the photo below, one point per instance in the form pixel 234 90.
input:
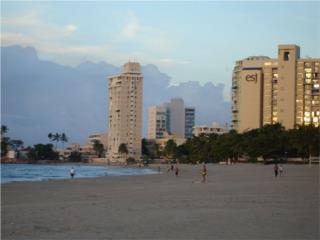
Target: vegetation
pixel 268 142
pixel 123 149
pixel 42 152
pixel 98 148
pixel 7 143
pixel 4 141
pixel 75 156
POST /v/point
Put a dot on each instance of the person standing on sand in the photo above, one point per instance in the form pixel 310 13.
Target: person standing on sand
pixel 280 170
pixel 176 171
pixel 72 172
pixel 204 173
pixel 276 169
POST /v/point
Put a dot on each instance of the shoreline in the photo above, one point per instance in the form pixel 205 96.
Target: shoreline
pixel 110 171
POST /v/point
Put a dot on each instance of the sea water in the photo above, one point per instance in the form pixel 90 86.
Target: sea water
pixel 40 172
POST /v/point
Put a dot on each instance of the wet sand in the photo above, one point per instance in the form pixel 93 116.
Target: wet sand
pixel 242 201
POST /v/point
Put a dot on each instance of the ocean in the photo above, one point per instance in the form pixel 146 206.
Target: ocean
pixel 41 172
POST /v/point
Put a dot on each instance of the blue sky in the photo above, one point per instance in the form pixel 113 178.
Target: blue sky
pixel 190 41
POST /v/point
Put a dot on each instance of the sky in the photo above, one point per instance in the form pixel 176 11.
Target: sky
pixel 189 41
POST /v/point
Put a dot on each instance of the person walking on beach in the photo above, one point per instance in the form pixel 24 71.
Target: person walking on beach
pixel 280 170
pixel 204 173
pixel 176 171
pixel 276 169
pixel 72 172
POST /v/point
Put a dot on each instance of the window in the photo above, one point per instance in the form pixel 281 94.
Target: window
pixel 286 56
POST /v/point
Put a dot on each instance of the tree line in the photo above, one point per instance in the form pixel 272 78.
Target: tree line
pixel 268 142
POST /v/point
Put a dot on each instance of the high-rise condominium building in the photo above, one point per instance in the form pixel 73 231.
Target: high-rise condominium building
pixel 173 118
pixel 176 116
pixel 125 112
pixel 283 90
pixel 189 121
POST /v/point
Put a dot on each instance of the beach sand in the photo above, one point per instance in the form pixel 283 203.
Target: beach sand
pixel 242 201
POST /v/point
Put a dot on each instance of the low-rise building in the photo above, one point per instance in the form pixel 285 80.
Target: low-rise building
pixel 205 129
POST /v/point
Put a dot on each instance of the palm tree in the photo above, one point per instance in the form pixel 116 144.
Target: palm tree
pixel 4 129
pixel 56 138
pixel 63 139
pixel 50 136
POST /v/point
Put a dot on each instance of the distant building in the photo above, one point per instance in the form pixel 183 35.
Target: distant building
pixel 166 137
pixel 176 116
pixel 189 121
pixel 100 137
pixel 157 122
pixel 173 117
pixel 205 129
pixel 125 112
pixel 283 90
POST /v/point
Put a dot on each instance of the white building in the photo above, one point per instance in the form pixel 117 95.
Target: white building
pixel 205 129
pixel 125 112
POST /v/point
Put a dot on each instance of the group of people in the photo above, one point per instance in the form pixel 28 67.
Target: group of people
pixel 278 170
pixel 175 169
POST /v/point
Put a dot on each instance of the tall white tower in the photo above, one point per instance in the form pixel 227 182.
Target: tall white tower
pixel 125 112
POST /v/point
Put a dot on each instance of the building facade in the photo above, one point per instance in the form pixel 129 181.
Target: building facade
pixel 157 122
pixel 214 128
pixel 100 137
pixel 176 117
pixel 125 112
pixel 189 118
pixel 173 118
pixel 283 90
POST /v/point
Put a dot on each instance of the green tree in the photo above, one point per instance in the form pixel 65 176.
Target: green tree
pixel 98 148
pixel 43 152
pixel 306 140
pixel 4 141
pixel 144 148
pixel 75 156
pixel 123 149
pixel 170 149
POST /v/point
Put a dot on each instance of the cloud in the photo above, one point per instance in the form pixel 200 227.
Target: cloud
pixel 27 19
pixel 131 28
pixel 69 29
pixel 55 41
pixel 28 29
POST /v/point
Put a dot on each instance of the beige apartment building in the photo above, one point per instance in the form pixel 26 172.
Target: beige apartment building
pixel 157 120
pixel 100 137
pixel 125 112
pixel 283 90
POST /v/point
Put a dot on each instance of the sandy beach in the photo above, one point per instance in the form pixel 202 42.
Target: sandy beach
pixel 242 201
